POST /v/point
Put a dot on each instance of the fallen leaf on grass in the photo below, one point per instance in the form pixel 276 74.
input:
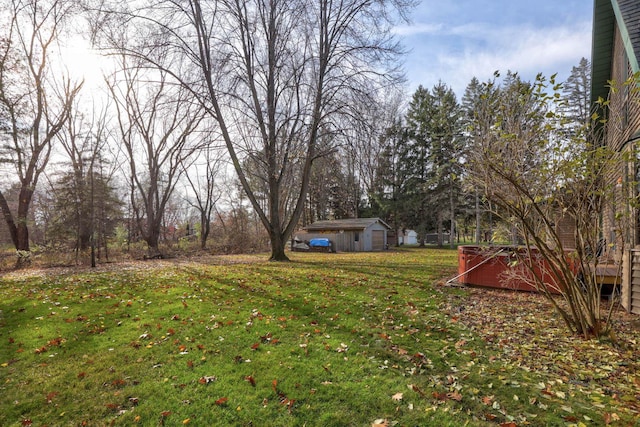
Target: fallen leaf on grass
pixel 284 400
pixel 439 396
pixel 460 344
pixel 207 379
pixel 119 382
pixel 380 423
pixel 56 342
pixel 221 401
pixel 397 397
pixel 343 348
pixel 547 392
pixel 610 417
pixel 455 396
pixel 416 389
pixel 250 380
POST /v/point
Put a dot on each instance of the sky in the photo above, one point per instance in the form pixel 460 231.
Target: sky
pixel 454 40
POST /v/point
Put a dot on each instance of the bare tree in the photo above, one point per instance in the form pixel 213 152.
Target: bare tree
pixel 365 141
pixel 274 74
pixel 35 100
pixel 82 145
pixel 158 124
pixel 85 204
pixel 202 176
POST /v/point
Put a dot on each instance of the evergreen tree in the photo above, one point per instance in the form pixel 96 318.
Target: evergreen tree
pixel 577 94
pixel 432 160
pixel 84 207
pixel 390 186
pixel 413 164
pixel 445 157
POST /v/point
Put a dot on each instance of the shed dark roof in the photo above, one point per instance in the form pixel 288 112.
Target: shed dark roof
pixel 345 224
pixel 607 14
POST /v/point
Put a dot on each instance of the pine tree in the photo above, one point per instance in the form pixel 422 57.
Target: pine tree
pixel 433 158
pixel 577 94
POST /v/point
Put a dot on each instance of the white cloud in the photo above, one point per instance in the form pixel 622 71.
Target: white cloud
pixel 458 53
pixel 415 29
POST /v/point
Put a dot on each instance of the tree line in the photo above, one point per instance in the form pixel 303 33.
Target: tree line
pixel 285 112
pixel 426 168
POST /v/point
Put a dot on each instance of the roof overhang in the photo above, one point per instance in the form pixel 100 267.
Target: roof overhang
pixel 607 16
pixel 602 48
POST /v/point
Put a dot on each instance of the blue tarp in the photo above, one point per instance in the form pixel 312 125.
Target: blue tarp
pixel 320 242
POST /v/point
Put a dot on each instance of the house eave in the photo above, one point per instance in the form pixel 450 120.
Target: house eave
pixel 601 54
pixel 607 16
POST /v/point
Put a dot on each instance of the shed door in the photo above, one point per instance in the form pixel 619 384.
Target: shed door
pixel 377 240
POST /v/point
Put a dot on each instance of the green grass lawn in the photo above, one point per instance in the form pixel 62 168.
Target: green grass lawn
pixel 326 340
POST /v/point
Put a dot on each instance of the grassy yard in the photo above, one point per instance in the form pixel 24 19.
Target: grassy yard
pixel 326 340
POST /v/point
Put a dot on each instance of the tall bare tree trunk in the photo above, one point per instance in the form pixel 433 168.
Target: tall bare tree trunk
pixel 24 201
pixel 8 217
